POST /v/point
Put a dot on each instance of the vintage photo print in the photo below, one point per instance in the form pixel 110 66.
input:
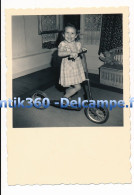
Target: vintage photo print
pixel 39 72
pixel 68 84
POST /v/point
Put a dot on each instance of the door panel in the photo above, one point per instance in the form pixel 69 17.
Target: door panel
pixel 90 30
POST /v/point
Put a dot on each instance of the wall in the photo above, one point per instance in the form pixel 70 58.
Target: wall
pixel 28 55
pixel 93 62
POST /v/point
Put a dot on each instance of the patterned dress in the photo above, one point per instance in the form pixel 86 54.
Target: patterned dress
pixel 71 72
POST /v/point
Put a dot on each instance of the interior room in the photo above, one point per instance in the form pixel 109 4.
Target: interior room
pixel 36 66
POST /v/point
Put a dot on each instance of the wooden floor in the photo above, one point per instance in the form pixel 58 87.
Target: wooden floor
pixel 55 117
pixel 37 80
pixel 26 85
pixel 47 80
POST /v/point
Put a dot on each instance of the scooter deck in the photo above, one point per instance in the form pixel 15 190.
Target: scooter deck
pixel 57 104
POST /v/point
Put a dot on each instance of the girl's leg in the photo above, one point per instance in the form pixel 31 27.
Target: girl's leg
pixel 72 90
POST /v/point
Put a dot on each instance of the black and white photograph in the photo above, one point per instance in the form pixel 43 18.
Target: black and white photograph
pixel 74 58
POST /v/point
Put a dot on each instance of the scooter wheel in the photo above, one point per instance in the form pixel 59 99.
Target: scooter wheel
pixel 97 115
pixel 38 94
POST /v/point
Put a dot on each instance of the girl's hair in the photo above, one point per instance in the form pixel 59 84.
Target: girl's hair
pixel 72 26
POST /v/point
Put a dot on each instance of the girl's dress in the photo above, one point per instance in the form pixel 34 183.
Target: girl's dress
pixel 71 72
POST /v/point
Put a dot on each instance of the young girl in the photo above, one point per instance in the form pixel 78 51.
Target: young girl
pixel 72 72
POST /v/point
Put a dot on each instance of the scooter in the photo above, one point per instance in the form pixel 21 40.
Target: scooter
pixel 96 113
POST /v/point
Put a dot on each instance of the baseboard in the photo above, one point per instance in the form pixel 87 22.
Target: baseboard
pixel 93 71
pixel 29 71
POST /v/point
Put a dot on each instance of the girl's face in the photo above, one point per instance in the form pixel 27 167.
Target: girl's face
pixel 70 34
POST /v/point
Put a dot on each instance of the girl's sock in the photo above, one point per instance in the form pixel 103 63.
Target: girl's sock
pixel 72 90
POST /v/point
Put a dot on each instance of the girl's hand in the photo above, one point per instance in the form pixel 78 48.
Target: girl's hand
pixel 84 49
pixel 74 55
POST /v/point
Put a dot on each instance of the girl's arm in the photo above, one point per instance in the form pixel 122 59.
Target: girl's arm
pixel 63 51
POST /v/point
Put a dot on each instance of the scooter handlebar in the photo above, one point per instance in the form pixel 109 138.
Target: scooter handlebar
pixel 84 50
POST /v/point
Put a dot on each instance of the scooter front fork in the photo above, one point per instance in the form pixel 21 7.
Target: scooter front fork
pixel 88 90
